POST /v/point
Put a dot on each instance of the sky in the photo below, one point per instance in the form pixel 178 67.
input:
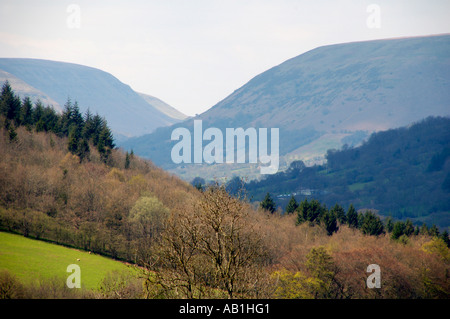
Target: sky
pixel 194 53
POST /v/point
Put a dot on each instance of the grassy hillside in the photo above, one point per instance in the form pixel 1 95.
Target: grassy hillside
pixel 34 260
pixel 325 98
pixel 47 193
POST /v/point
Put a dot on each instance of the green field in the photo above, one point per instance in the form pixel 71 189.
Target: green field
pixel 32 260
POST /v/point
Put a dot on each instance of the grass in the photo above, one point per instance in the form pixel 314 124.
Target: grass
pixel 32 260
pixel 359 186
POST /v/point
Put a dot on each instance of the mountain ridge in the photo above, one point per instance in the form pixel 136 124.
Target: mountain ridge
pixel 126 111
pixel 335 93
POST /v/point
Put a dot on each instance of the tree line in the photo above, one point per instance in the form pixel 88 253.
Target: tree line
pixel 401 172
pixel 80 129
pixel 369 223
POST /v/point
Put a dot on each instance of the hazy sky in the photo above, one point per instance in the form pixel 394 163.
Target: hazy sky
pixel 193 53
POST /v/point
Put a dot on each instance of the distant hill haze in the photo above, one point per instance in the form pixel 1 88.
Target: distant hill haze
pixel 163 107
pixel 128 113
pixel 331 96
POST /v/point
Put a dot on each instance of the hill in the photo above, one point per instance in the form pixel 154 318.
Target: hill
pixel 163 107
pixel 126 111
pixel 189 243
pixel 404 173
pixel 327 97
pixel 46 261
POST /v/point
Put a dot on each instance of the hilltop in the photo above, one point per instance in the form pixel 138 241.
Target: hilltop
pixel 325 98
pixel 127 112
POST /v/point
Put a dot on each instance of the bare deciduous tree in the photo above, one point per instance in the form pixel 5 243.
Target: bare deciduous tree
pixel 211 250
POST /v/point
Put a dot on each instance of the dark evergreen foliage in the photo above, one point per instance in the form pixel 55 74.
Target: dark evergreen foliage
pixel 371 224
pixel 80 130
pixel 291 206
pixel 268 204
pixel 352 217
pixel 403 173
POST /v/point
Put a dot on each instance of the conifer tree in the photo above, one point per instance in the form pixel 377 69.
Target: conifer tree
pixel 26 112
pixel 88 127
pixel 339 212
pixel 424 229
pixel 292 205
pixel 268 204
pixel 389 224
pixel 398 230
pixel 12 134
pixel 38 111
pixel 371 224
pixel 74 139
pixel 97 126
pixel 50 119
pixel 433 231
pixel 10 104
pixel 83 150
pixel 352 217
pixel 409 228
pixel 329 221
pixel 316 211
pixel 302 211
pixel 105 143
pixel 66 118
pixel 76 117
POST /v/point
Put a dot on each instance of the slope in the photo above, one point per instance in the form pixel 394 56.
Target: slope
pixel 163 107
pixel 330 96
pixel 23 89
pixel 402 172
pixel 45 261
pixel 126 111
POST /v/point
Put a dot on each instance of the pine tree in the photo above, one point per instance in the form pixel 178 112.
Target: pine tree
pixel 268 204
pixel 66 118
pixel 424 229
pixel 302 211
pixel 97 126
pixel 389 224
pixel 329 221
pixel 26 113
pixel 433 231
pixel 76 117
pixel 74 139
pixel 89 125
pixel 50 119
pixel 83 150
pixel 105 143
pixel 292 205
pixel 12 134
pixel 10 104
pixel 315 212
pixel 371 224
pixel 339 212
pixel 398 230
pixel 38 111
pixel 352 217
pixel 106 136
pixel 409 228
